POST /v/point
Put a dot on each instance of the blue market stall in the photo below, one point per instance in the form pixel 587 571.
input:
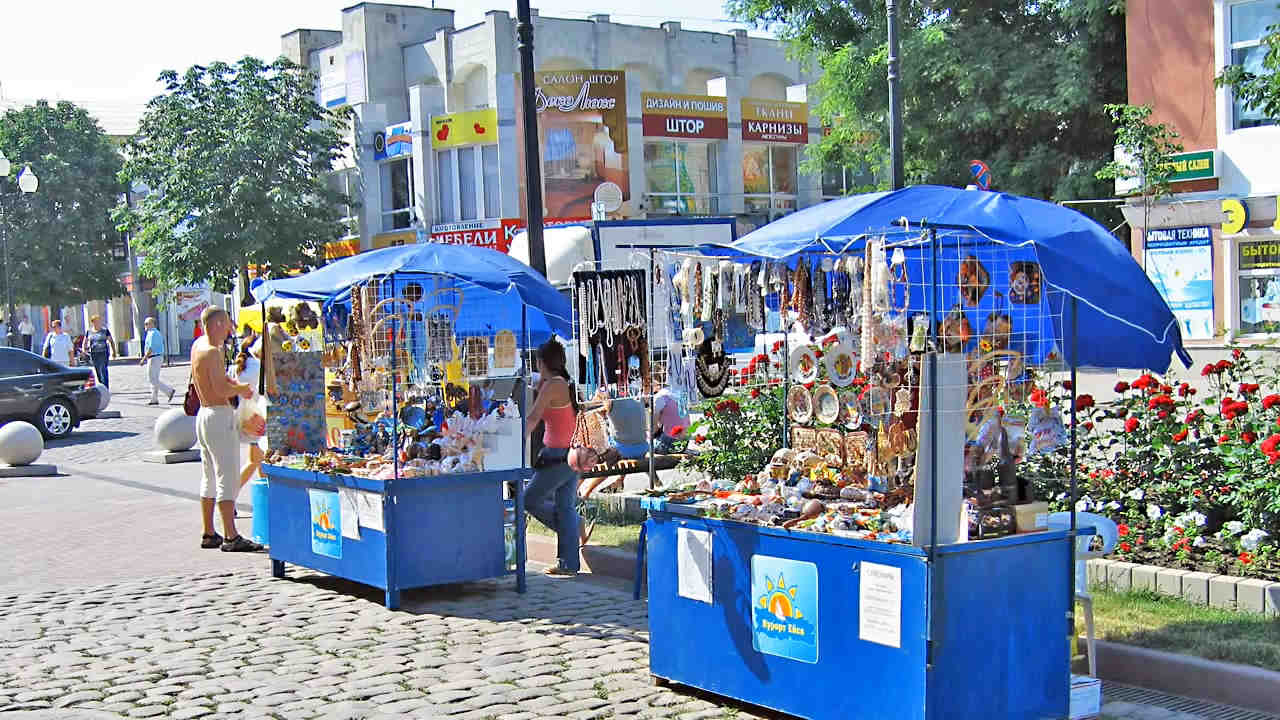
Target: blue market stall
pixel 929 625
pixel 408 326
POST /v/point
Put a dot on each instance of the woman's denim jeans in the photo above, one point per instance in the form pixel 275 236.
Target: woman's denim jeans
pixel 552 498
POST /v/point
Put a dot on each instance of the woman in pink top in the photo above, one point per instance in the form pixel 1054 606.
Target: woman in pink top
pixel 552 494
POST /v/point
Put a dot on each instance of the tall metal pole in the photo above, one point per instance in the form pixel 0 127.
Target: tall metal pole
pixel 532 155
pixel 12 335
pixel 895 98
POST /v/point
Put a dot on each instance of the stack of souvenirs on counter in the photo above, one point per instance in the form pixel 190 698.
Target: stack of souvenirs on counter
pixel 853 389
pixel 410 396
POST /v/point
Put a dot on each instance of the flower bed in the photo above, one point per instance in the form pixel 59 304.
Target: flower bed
pixel 1193 482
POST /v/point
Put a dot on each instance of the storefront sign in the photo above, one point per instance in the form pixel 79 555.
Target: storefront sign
pixel 1179 262
pixel 775 121
pixel 493 234
pixel 784 608
pixel 394 239
pixel 326 523
pixel 1198 165
pixel 697 117
pixel 478 127
pixel 582 129
pixel 1237 212
pixel 1259 254
pixel 341 248
pixel 394 141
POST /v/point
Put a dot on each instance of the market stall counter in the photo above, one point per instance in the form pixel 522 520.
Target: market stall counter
pixel 823 626
pixel 424 356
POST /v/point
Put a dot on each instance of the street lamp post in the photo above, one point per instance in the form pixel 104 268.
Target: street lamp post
pixel 27 183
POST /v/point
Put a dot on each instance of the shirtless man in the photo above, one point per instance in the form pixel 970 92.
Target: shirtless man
pixel 216 432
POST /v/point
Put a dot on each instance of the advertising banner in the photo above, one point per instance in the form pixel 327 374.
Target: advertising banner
pixel 775 121
pixel 697 117
pixel 1179 262
pixel 582 133
pixel 478 127
pixel 496 234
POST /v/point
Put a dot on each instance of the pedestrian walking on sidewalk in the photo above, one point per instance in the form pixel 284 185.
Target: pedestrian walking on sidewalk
pixel 101 349
pixel 27 332
pixel 58 345
pixel 217 434
pixel 153 358
pixel 553 492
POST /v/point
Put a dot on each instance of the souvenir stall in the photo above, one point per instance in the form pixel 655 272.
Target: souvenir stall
pixel 876 564
pixel 425 347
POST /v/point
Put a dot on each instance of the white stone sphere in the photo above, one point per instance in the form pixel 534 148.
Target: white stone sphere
pixel 104 396
pixel 175 430
pixel 20 443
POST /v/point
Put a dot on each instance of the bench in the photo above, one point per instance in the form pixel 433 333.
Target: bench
pixel 629 467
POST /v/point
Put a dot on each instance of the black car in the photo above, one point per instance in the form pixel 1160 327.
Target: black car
pixel 47 394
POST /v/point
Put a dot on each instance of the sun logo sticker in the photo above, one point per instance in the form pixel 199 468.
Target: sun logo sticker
pixel 784 616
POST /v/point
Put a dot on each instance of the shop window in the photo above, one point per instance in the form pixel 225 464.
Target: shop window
pixel 680 178
pixel 1259 293
pixel 769 180
pixel 397 194
pixel 1249 22
pixel 345 183
pixel 467 184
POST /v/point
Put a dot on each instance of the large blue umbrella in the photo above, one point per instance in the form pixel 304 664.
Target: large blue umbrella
pixel 495 287
pixel 1121 319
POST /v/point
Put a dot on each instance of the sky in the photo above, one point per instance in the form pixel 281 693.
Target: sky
pixel 110 53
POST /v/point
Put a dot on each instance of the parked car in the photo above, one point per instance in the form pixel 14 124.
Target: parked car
pixel 47 394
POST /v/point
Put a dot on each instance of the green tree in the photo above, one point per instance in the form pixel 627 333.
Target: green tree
pixel 61 237
pixel 1019 84
pixel 1258 91
pixel 232 160
pixel 1148 150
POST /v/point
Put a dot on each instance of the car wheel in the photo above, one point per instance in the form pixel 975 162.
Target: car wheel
pixel 56 419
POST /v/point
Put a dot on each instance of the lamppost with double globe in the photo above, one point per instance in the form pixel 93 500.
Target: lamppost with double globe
pixel 27 183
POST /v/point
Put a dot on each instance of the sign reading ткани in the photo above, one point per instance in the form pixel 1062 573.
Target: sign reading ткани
pixel 775 121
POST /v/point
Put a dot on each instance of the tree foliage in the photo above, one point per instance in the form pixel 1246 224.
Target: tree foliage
pixel 233 161
pixel 1019 84
pixel 1258 91
pixel 1148 148
pixel 61 237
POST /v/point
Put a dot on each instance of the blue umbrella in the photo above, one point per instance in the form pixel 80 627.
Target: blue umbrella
pixel 1121 319
pixel 495 286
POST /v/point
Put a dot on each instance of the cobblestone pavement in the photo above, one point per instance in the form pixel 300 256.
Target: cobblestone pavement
pixel 245 645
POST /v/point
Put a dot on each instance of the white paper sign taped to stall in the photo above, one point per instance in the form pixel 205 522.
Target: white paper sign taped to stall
pixel 693 564
pixel 880 604
pixel 350 513
pixel 369 507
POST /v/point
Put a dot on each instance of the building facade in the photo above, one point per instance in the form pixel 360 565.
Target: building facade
pixel 1213 247
pixel 634 122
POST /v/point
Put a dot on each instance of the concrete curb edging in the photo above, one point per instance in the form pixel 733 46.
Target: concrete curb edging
pixel 1226 592
pixel 1239 685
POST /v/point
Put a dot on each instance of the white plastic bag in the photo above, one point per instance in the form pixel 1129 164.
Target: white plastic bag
pixel 251 419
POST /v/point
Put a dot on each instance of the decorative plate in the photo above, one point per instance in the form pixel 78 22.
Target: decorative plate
pixel 850 409
pixel 826 404
pixel 804 365
pixel 799 405
pixel 841 365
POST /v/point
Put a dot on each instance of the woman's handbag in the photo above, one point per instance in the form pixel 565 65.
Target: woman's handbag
pixel 581 456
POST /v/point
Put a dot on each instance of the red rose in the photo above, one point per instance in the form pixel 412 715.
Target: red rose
pixel 1122 386
pixel 1084 402
pixel 1166 389
pixel 1126 547
pixel 1144 382
pixel 1131 424
pixel 1163 414
pixel 1236 353
pixel 1197 492
pixel 1066 385
pixel 1180 436
pixel 700 439
pixel 755 392
pixel 1122 529
pixel 1039 398
pixel 1246 558
pixel 1270 401
pixel 1248 388
pixel 1207 370
pixel 1088 426
pixel 1159 400
pixel 1268 446
pixel 677 430
pixel 1247 437
pixel 1223 365
pixel 1183 389
pixel 1223 439
pixel 1192 416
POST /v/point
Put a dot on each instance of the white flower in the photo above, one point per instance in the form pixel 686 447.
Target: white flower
pixel 1084 504
pixel 1199 541
pixel 1137 494
pixel 1253 539
pixel 1199 519
pixel 1154 512
pixel 1113 505
pixel 1235 527
pixel 1062 496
